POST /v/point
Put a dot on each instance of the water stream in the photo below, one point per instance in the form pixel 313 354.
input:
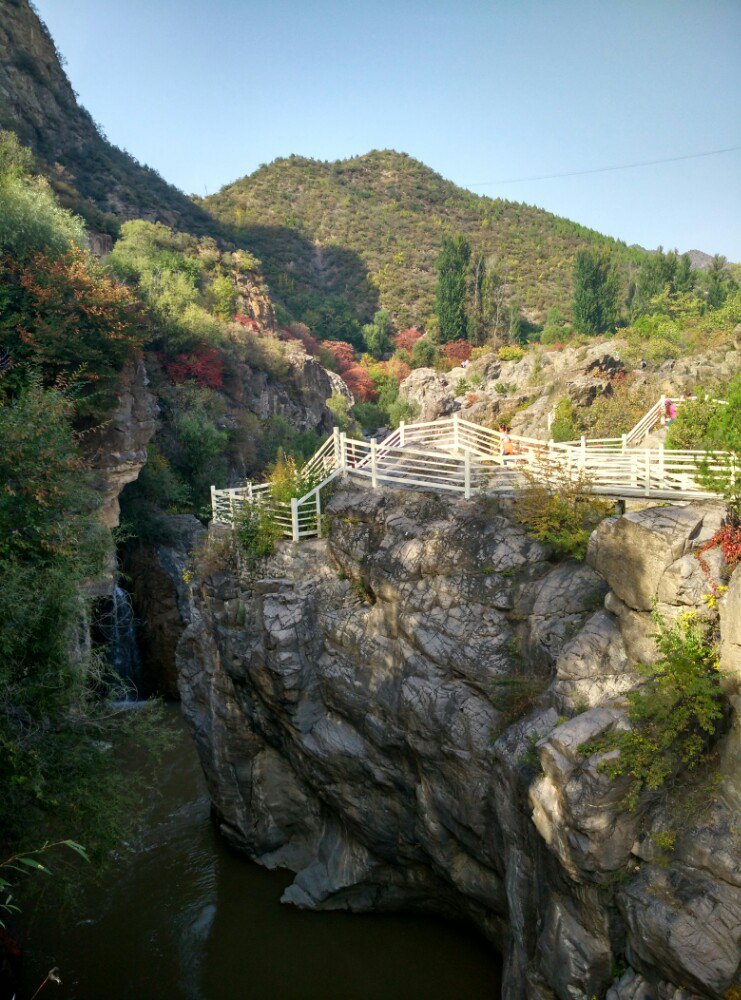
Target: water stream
pixel 183 917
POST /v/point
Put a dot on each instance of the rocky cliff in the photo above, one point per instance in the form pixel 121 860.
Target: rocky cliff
pixel 395 715
pixel 90 175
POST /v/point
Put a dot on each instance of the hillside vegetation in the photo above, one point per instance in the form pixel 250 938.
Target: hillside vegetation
pixel 361 234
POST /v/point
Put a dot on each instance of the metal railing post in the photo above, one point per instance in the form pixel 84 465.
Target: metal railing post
pixel 583 452
pixel 374 463
pixel 250 492
pixel 336 445
pixel 662 404
pixel 456 432
pixel 402 428
pixel 318 514
pixel 467 475
pixel 343 450
pixel 213 503
pixel 231 506
pixel 294 518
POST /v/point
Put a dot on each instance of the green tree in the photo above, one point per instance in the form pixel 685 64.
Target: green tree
pixel 377 335
pixel 719 282
pixel 424 354
pixel 487 309
pixel 596 291
pixel 516 322
pixel 450 295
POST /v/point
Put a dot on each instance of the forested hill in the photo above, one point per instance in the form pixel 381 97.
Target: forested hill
pixel 367 230
pixel 91 176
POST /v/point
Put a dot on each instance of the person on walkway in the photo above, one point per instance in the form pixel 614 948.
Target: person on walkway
pixel 506 444
pixel 671 411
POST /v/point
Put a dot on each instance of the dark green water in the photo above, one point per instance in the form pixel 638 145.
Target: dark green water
pixel 185 918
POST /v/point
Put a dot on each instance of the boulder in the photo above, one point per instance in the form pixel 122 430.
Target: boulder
pixel 641 554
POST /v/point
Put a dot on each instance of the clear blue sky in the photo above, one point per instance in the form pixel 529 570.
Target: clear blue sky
pixel 481 90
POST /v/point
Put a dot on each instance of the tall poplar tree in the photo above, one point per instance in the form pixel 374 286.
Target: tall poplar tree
pixel 596 292
pixel 450 296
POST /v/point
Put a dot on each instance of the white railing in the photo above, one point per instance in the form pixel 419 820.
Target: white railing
pixel 457 456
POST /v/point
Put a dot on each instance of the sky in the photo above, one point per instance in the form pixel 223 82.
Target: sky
pixel 489 93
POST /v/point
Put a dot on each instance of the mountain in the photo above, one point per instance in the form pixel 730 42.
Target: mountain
pixel 102 183
pixel 367 231
pixel 700 260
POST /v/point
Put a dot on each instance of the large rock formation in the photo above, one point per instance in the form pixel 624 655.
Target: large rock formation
pixel 396 714
pixel 525 391
pixel 117 449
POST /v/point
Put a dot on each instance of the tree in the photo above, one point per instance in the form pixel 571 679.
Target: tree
pixel 450 295
pixel 515 322
pixel 661 272
pixel 488 302
pixel 377 335
pixel 596 290
pixel 719 281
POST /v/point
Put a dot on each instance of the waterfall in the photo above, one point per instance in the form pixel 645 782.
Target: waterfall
pixel 123 652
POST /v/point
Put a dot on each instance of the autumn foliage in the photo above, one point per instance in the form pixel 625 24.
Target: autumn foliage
pixel 406 339
pixel 456 351
pixel 356 377
pixel 202 366
pixel 67 318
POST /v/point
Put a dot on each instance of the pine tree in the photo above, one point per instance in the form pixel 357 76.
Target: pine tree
pixel 596 291
pixel 450 296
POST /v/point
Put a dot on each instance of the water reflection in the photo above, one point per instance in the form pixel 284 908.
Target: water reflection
pixel 185 918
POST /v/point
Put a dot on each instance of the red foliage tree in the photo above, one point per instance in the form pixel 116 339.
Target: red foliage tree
pixel 406 339
pixel 456 351
pixel 342 353
pixel 301 333
pixel 202 366
pixel 359 383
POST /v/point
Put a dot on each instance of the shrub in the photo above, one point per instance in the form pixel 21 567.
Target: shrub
pixel 339 406
pixel 203 366
pixel 65 317
pixel 510 352
pixel 370 416
pixel 556 508
pixel 424 354
pixel 674 715
pixel 565 425
pixel 257 534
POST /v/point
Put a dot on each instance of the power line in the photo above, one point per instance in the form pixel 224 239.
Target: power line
pixel 602 170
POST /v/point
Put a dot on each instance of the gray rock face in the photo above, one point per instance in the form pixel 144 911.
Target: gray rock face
pixel 117 451
pixel 646 556
pixel 396 714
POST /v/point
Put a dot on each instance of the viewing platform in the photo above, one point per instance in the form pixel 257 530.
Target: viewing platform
pixel 454 455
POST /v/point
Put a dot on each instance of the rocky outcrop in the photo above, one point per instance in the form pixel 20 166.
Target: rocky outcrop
pixel 524 392
pixel 117 450
pixel 396 714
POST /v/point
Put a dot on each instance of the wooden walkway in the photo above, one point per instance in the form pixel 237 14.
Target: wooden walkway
pixel 454 455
